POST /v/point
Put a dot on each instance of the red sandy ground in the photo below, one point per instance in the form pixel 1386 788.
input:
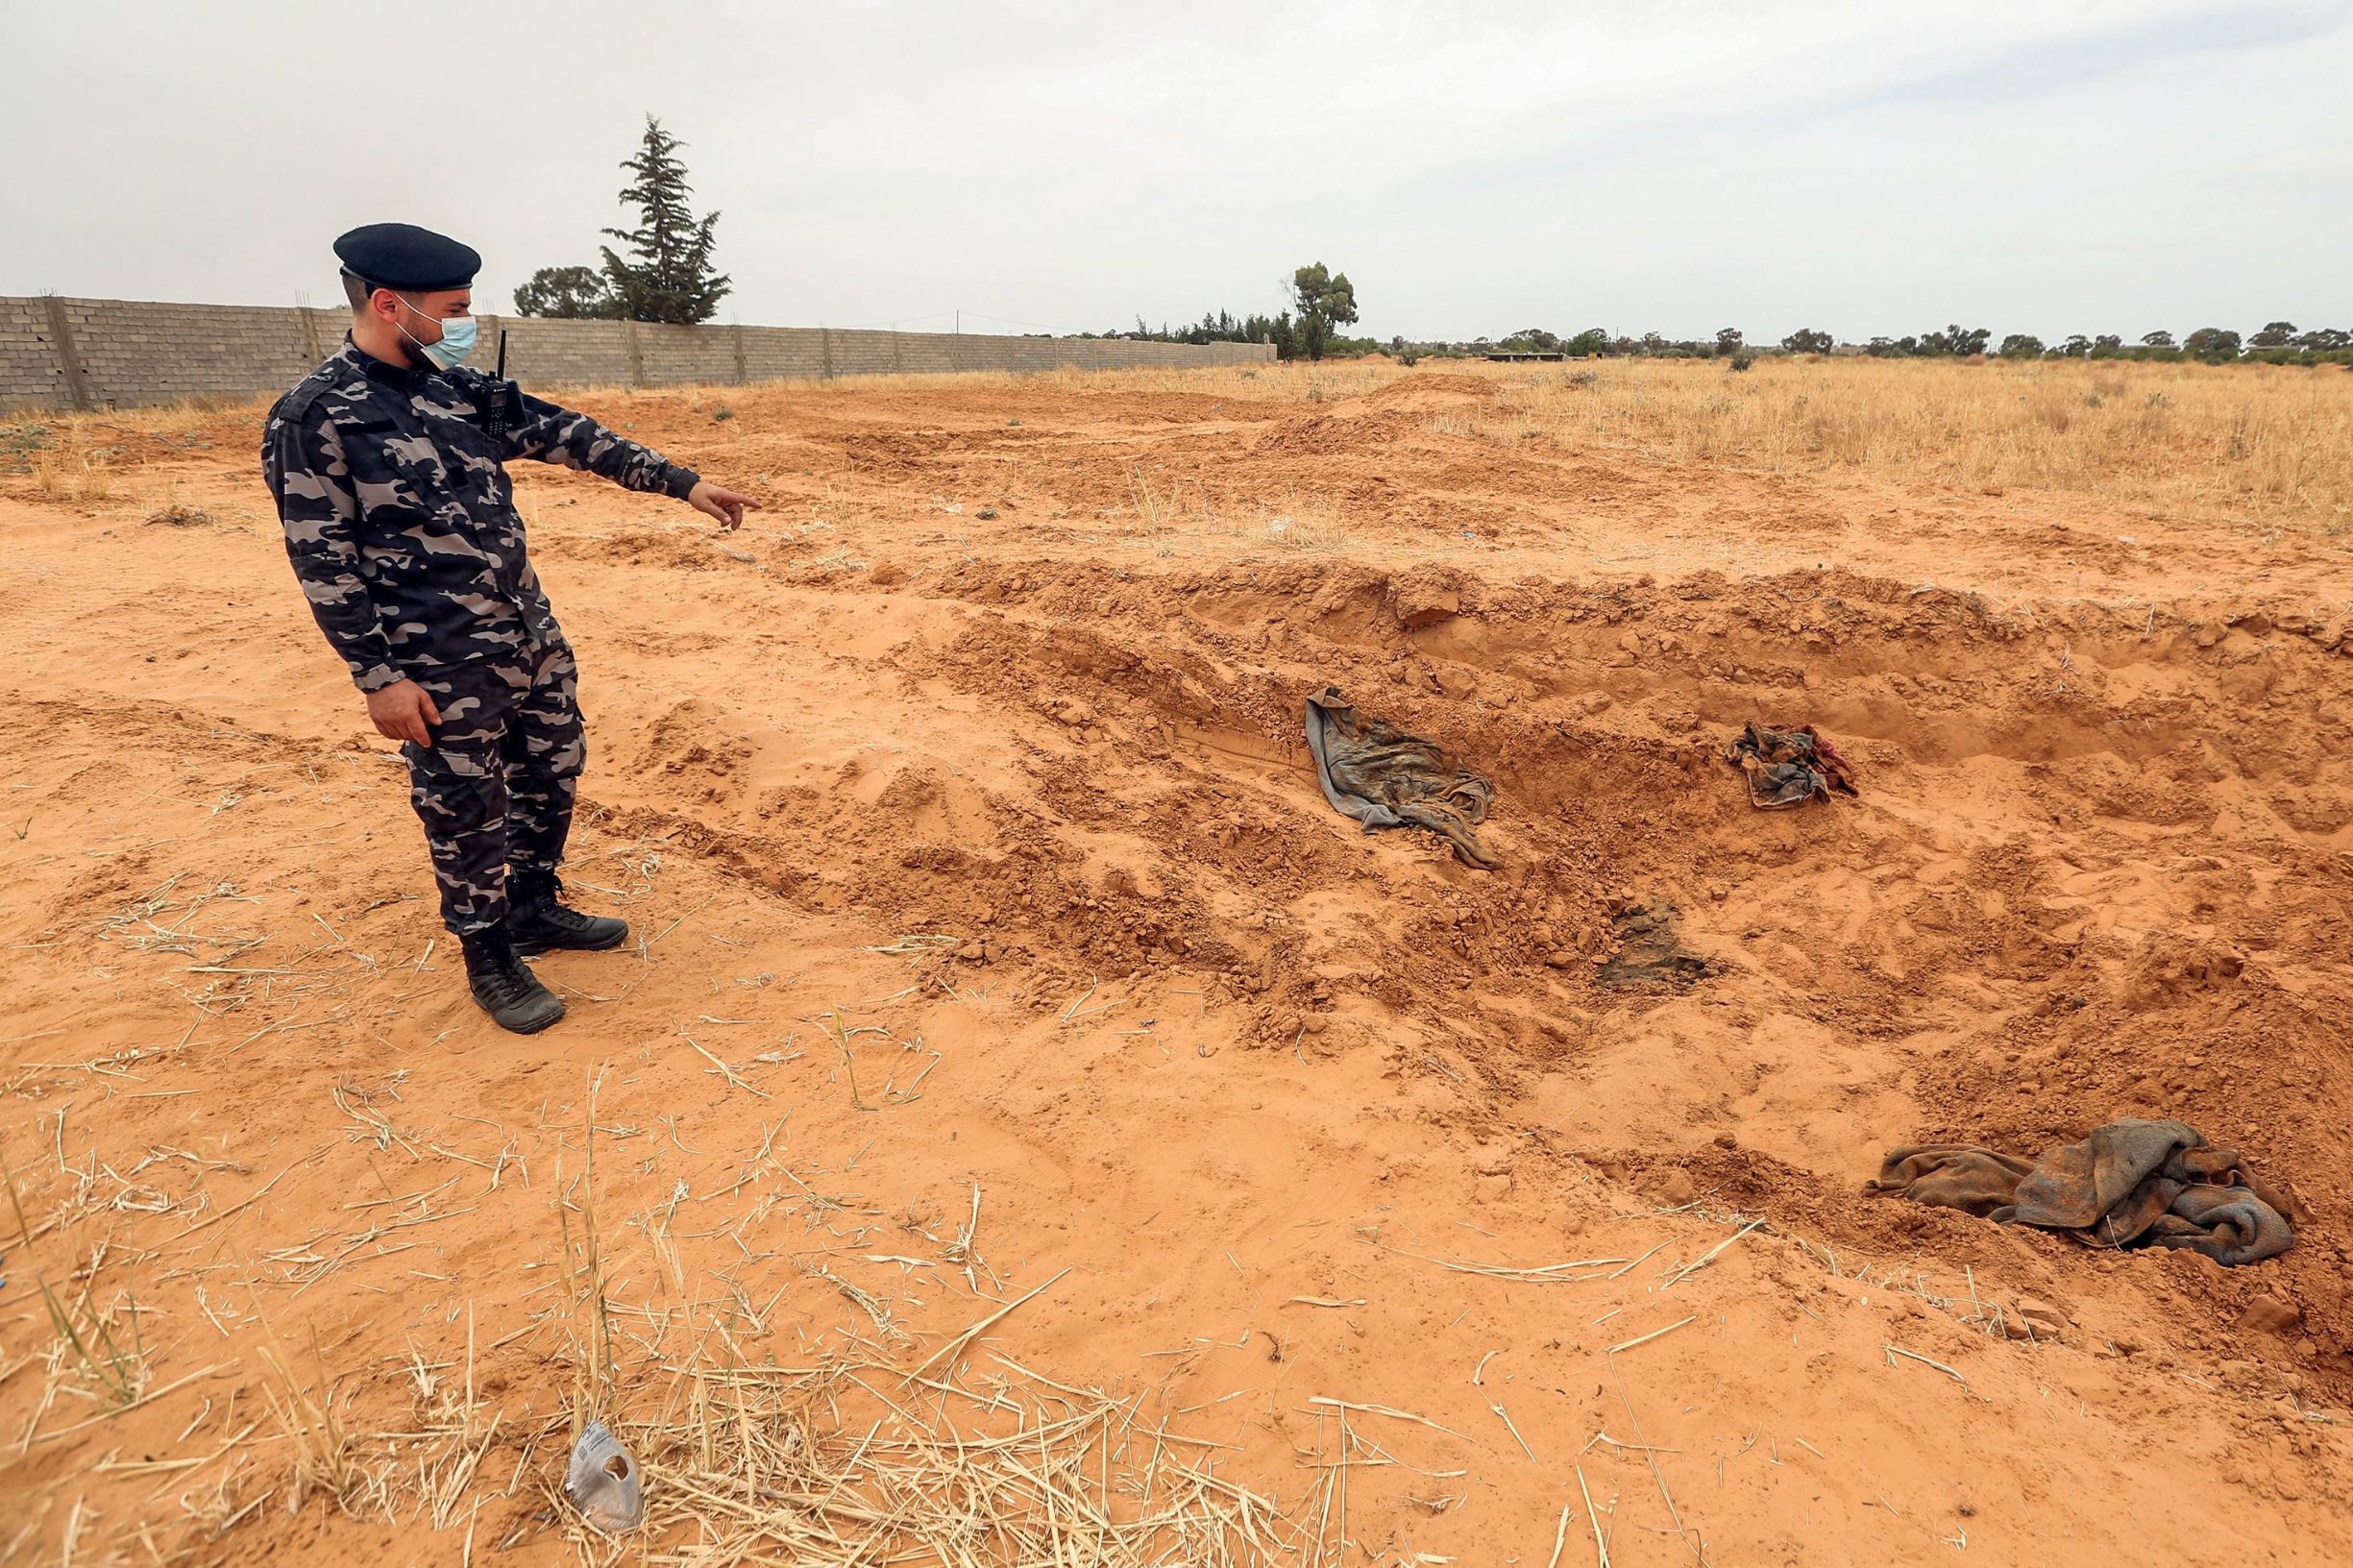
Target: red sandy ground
pixel 1203 1044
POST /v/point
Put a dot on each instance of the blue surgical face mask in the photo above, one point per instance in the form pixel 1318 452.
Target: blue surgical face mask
pixel 457 338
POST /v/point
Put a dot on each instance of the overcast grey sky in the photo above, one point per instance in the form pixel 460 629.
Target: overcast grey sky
pixel 2028 165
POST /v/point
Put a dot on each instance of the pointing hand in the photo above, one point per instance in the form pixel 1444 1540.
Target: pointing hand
pixel 726 505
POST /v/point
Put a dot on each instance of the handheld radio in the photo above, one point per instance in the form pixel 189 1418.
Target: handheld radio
pixel 506 402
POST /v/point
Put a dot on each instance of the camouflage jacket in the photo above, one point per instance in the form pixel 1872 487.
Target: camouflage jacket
pixel 401 521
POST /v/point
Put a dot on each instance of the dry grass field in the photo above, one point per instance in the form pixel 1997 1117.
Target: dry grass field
pixel 2171 439
pixel 2257 442
pixel 1029 1126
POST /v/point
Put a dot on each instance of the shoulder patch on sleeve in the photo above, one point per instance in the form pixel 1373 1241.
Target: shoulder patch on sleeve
pixel 297 402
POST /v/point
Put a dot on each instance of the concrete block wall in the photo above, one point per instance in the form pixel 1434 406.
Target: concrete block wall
pixel 30 373
pixel 57 353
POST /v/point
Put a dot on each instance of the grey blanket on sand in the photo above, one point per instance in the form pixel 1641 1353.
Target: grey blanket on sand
pixel 1384 778
pixel 2131 1184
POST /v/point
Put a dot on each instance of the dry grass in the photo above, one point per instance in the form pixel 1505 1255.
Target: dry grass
pixel 874 1446
pixel 2254 440
pixel 65 478
pixel 1165 510
pixel 866 1454
pixel 87 459
pixel 173 511
pixel 2221 440
pixel 319 1447
pixel 103 1347
pixel 856 1461
pixel 2202 440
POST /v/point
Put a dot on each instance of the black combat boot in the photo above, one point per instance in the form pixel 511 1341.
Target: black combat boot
pixel 538 921
pixel 505 985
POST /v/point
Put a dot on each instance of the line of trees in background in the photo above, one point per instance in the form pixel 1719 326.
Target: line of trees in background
pixel 2279 342
pixel 1726 344
pixel 1322 301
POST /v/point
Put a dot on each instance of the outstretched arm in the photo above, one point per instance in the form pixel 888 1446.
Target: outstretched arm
pixel 558 435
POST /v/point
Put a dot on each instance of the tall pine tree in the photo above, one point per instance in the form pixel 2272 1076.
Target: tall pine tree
pixel 667 276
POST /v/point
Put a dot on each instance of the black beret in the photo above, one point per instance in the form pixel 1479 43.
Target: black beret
pixel 404 256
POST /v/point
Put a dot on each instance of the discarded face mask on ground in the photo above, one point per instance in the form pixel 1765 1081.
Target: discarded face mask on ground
pixel 1789 767
pixel 2131 1184
pixel 1384 778
pixel 602 1483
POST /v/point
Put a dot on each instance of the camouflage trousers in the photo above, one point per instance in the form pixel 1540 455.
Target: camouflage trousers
pixel 494 789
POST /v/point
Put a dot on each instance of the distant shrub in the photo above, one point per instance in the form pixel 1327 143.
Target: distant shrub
pixel 18 443
pixel 2212 343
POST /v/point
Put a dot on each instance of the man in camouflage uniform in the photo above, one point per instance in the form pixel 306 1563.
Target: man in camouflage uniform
pixel 400 521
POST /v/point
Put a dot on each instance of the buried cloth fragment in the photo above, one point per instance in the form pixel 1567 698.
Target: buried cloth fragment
pixel 602 1481
pixel 2131 1184
pixel 1384 778
pixel 1789 767
pixel 1651 955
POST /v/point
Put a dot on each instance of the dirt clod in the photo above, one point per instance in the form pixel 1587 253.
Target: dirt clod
pixel 2269 1315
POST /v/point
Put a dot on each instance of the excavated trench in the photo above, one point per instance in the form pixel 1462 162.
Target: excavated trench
pixel 2078 884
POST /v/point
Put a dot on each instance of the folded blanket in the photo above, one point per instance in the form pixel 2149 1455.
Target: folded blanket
pixel 2131 1184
